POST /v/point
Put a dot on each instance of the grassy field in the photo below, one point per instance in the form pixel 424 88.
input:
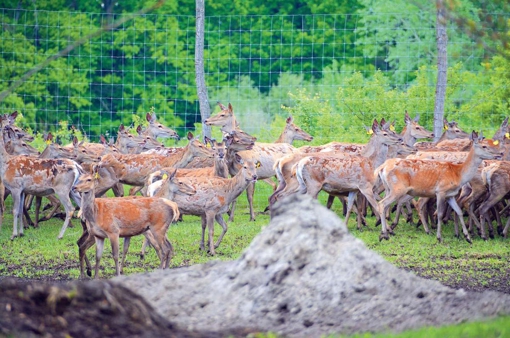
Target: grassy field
pixel 484 265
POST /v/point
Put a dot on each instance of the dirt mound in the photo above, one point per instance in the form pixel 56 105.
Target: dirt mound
pixel 79 309
pixel 304 275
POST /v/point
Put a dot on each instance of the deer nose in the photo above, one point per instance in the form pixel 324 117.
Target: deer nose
pixel 254 177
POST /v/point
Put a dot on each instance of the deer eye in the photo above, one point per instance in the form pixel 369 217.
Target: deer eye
pixel 417 128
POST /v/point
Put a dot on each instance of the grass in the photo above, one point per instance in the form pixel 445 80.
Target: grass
pixel 483 265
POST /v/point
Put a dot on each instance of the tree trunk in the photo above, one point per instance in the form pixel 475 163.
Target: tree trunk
pixel 442 67
pixel 203 99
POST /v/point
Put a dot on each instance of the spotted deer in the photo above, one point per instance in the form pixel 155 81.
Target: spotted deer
pixel 133 169
pixel 212 197
pixel 24 175
pixel 347 174
pixel 425 178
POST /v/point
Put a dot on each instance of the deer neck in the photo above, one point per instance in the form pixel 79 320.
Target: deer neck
pixel 5 157
pixel 470 166
pixel 183 157
pixel 285 137
pixel 408 138
pixel 88 206
pixel 220 167
pixel 376 152
pixel 236 185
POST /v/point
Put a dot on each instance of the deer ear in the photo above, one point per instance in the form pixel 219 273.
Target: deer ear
pixel 230 109
pixel 417 118
pixel 75 141
pixel 289 119
pixel 238 159
pixel 407 118
pixel 190 135
pixel 222 107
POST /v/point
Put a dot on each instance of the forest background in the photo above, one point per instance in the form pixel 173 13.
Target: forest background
pixel 333 64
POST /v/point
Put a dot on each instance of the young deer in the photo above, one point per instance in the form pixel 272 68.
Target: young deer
pixel 117 217
pixel 212 197
pixel 425 178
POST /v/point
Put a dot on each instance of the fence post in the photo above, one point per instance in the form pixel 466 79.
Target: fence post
pixel 203 98
pixel 442 67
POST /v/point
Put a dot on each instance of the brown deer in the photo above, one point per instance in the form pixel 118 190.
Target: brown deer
pixel 212 197
pixel 156 129
pixel 347 173
pixel 117 217
pixel 40 177
pixel 133 169
pixel 425 178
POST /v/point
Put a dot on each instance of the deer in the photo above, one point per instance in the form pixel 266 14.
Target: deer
pixel 424 178
pixel 156 129
pixel 219 168
pixel 478 187
pixel 450 136
pixel 118 217
pixel 10 120
pixel 347 173
pixel 133 169
pixel 40 177
pixel 212 197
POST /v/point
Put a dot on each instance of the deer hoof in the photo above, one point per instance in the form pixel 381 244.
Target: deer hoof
pixel 384 236
pixel 469 240
pixel 440 239
pixel 13 237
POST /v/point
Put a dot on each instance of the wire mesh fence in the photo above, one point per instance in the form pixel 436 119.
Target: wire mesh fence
pixel 335 72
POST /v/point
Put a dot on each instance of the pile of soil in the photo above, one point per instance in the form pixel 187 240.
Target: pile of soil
pixel 80 309
pixel 304 275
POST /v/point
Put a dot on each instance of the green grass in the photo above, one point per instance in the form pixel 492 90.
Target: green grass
pixel 483 265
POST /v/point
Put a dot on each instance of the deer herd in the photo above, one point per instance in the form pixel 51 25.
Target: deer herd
pixel 462 174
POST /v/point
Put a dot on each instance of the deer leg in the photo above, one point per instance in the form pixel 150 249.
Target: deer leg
pixel 484 212
pixel 16 206
pixel 99 254
pixel 156 238
pixel 114 241
pixel 409 218
pixel 210 224
pixel 169 253
pixel 440 213
pixel 458 211
pixel 231 211
pixel 221 221
pixel 350 202
pixel 204 226
pixel 250 191
pixel 55 203
pixel 2 198
pixel 118 190
pixel 330 201
pixel 146 242
pixel 69 208
pixel 84 243
pixel 505 230
pixel 125 249
pixel 422 205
